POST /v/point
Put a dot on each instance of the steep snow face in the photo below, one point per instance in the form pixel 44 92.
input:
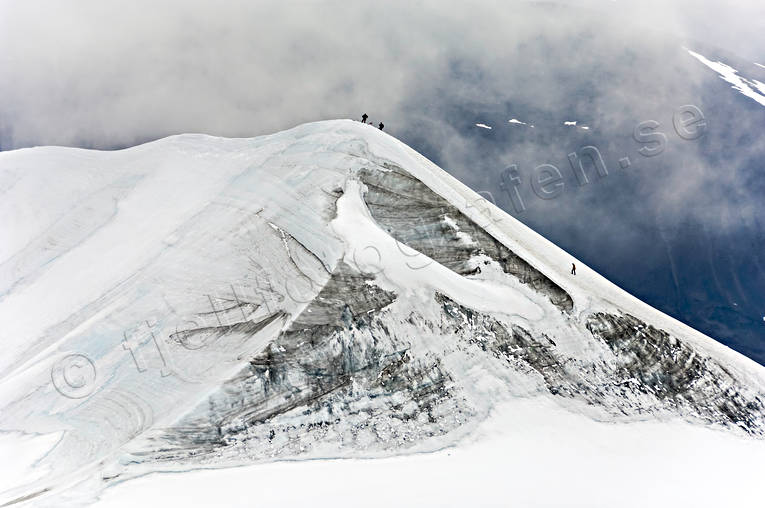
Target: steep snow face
pixel 322 292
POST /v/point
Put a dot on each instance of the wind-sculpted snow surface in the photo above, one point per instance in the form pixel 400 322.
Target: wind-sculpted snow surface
pixel 322 292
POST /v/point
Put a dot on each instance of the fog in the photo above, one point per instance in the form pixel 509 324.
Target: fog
pixel 105 73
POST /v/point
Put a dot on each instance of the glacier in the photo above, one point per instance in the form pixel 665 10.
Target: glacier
pixel 283 302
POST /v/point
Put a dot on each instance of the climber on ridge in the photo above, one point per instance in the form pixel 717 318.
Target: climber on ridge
pixel 381 125
pixel 364 118
pixel 573 269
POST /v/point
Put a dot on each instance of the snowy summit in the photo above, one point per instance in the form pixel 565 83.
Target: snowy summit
pixel 327 292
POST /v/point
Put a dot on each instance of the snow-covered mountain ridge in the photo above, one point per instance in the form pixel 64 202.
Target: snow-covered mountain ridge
pixel 325 291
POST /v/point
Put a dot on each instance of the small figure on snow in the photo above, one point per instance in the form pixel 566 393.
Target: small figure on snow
pixel 364 118
pixel 381 125
pixel 573 269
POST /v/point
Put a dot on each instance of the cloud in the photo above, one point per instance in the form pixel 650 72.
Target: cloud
pixel 105 73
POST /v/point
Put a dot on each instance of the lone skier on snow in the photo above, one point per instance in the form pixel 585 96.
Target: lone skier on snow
pixel 573 269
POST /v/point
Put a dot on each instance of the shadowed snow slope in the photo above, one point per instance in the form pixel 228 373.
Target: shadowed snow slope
pixel 323 292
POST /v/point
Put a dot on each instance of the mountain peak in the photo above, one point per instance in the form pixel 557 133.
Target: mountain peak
pixel 324 291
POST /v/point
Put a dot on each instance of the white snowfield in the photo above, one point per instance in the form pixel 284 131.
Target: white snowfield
pixel 106 256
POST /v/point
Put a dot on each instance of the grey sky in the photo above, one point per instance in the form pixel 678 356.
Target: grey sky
pixel 108 73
